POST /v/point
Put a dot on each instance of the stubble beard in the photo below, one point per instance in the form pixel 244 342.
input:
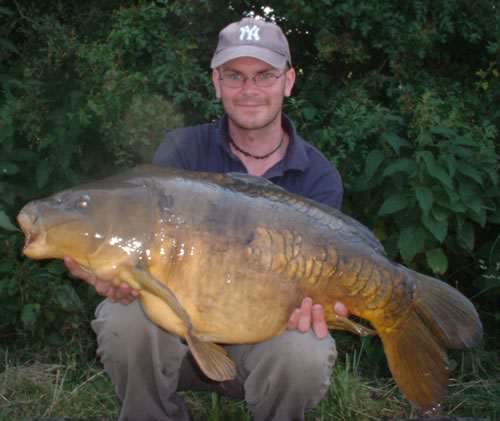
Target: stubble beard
pixel 257 125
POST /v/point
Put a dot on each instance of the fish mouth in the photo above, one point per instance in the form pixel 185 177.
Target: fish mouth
pixel 30 228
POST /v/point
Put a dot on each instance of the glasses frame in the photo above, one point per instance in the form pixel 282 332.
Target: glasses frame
pixel 244 78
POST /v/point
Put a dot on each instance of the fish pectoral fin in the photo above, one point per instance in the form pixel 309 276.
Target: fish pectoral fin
pixel 212 358
pixel 154 286
pixel 344 323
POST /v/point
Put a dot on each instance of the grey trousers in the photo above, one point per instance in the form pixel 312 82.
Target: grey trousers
pixel 280 378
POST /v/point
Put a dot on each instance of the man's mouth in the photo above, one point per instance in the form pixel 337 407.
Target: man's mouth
pixel 249 104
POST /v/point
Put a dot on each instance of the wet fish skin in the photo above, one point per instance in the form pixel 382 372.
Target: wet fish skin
pixel 226 258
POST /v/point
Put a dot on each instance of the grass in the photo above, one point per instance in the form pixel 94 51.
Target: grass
pixel 62 383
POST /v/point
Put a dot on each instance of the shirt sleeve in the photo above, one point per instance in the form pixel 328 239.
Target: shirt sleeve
pixel 322 181
pixel 327 188
pixel 169 153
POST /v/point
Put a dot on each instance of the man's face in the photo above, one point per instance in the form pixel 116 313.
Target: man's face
pixel 249 106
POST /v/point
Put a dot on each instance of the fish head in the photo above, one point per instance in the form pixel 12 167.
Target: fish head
pixel 95 225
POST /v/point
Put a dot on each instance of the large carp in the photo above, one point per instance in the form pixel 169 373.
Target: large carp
pixel 226 258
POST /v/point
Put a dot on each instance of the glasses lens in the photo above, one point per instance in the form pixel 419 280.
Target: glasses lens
pixel 261 80
pixel 266 79
pixel 232 79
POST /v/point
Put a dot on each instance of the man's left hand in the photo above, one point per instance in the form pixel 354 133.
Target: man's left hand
pixel 309 316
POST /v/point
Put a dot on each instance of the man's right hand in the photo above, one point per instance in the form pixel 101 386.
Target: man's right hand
pixel 122 294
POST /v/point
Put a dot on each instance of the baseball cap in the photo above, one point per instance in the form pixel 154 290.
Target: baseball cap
pixel 252 37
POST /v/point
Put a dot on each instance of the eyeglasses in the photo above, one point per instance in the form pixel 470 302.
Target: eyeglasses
pixel 232 79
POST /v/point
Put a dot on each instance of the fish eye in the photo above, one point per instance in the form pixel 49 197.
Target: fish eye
pixel 83 201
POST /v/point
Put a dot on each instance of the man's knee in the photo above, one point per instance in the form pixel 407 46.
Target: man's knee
pixel 295 359
pixel 304 358
pixel 120 329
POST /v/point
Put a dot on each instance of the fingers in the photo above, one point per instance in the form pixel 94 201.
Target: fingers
pixel 301 317
pixel 341 309
pixel 293 322
pixel 309 316
pixel 123 293
pixel 76 271
pixel 319 325
pixel 305 318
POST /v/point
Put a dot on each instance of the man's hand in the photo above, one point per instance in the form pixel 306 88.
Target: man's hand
pixel 123 294
pixel 313 316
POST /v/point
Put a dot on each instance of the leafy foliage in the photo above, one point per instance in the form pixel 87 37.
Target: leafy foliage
pixel 401 97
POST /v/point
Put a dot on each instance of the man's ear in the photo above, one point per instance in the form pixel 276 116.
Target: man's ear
pixel 216 82
pixel 289 81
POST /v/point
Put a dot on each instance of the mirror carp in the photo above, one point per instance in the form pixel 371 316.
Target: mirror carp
pixel 225 258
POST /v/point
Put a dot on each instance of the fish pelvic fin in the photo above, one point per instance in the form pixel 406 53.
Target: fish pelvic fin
pixel 212 358
pixel 439 318
pixel 146 281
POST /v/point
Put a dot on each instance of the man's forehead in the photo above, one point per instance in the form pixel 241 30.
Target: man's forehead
pixel 243 64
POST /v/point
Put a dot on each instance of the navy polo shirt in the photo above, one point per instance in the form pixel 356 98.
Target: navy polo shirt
pixel 205 147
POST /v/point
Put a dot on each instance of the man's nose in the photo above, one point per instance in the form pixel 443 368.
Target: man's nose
pixel 249 84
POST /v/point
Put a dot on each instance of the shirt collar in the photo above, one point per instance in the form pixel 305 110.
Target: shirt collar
pixel 296 156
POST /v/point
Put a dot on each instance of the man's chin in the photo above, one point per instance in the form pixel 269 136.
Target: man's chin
pixel 254 122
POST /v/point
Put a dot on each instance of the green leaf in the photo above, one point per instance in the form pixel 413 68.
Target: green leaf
pixel 42 173
pixel 411 242
pixel 56 267
pixel 434 169
pixel 475 204
pixel 468 190
pixel 6 11
pixel 373 161
pixel 451 161
pixel 6 223
pixel 480 218
pixel 7 45
pixel 437 260
pixel 68 298
pixel 309 113
pixel 440 214
pixel 400 165
pixel 424 138
pixel 439 229
pixel 464 140
pixel 467 235
pixel 7 168
pixel 7 266
pixel 470 172
pixel 425 198
pixel 22 154
pixel 395 141
pixel 393 204
pixel 443 131
pixel 29 314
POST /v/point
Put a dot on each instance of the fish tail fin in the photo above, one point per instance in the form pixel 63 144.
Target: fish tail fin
pixel 211 358
pixel 440 317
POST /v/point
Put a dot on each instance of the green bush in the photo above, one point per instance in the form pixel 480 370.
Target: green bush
pixel 401 97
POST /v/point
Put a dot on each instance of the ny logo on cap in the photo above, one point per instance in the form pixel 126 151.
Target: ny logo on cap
pixel 251 33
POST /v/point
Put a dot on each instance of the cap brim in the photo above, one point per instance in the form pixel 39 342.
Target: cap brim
pixel 274 59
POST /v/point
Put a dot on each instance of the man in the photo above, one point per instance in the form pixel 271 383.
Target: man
pixel 280 378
